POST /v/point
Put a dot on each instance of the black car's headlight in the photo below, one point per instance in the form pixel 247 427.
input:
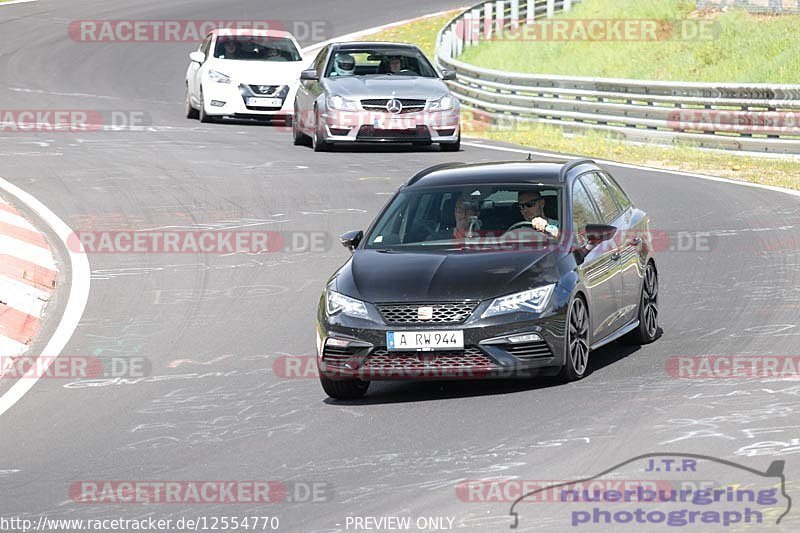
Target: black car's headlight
pixel 336 303
pixel 531 301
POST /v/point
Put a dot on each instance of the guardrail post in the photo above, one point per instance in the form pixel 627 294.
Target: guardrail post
pixel 487 21
pixel 530 11
pixel 551 8
pixel 475 29
pixel 499 17
pixel 514 14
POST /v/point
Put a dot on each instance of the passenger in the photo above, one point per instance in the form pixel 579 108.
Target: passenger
pixel 467 222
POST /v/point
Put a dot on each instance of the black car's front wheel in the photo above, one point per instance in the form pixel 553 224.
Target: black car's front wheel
pixel 576 343
pixel 647 331
pixel 344 389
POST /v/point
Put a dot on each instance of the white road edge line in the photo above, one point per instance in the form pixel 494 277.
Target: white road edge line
pixel 76 301
pixel 637 167
pixel 375 29
pixel 12 2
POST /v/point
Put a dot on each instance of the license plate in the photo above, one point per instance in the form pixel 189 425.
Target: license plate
pixel 264 102
pixel 424 341
pixel 394 123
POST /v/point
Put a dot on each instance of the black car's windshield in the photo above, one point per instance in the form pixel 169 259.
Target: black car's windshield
pixel 491 216
pixel 383 61
pixel 256 48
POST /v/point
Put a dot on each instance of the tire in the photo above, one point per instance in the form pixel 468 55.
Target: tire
pixel 191 112
pixel 451 147
pixel 344 389
pixel 647 331
pixel 576 341
pixel 317 142
pixel 204 118
pixel 299 138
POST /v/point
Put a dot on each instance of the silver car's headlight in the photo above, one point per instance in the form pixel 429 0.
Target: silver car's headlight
pixel 341 103
pixel 442 104
pixel 531 301
pixel 336 303
pixel 219 77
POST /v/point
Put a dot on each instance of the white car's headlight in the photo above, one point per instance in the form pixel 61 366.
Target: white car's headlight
pixel 219 77
pixel 336 303
pixel 531 301
pixel 341 103
pixel 442 104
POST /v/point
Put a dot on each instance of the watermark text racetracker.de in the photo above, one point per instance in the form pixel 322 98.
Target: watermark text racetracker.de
pixel 198 241
pixel 188 31
pixel 71 120
pixel 74 367
pixel 592 30
pixel 733 367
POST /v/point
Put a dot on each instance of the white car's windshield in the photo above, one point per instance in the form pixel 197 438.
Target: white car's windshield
pixel 399 62
pixel 256 48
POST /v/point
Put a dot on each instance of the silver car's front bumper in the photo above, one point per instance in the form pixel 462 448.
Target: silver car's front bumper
pixel 371 126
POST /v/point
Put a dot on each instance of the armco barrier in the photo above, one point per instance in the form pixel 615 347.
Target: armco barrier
pixel 753 117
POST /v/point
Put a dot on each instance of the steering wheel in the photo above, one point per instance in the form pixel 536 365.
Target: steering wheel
pixel 519 225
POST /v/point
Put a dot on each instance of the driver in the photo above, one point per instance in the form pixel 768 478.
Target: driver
pixel 344 65
pixel 229 49
pixel 531 205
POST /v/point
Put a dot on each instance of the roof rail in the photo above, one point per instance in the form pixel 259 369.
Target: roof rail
pixel 424 172
pixel 562 175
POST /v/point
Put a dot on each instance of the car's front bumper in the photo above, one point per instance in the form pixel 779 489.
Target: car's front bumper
pixel 349 348
pixel 231 100
pixel 378 127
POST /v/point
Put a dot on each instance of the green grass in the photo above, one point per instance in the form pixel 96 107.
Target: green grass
pixel 779 172
pixel 743 48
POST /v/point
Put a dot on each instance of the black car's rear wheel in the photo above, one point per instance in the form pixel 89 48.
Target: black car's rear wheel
pixel 344 389
pixel 576 343
pixel 647 331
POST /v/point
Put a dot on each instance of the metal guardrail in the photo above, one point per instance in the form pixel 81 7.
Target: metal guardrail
pixel 752 117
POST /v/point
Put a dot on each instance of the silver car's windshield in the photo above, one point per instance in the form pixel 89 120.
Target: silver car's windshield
pixel 256 48
pixel 384 61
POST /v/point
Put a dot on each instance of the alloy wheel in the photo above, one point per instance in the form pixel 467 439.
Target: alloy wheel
pixel 578 336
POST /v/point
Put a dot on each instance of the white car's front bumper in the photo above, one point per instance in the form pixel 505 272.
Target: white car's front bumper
pixel 234 100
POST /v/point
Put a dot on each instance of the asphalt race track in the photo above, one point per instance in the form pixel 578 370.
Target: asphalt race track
pixel 212 325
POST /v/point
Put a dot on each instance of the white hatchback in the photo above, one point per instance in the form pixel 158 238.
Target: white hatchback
pixel 244 74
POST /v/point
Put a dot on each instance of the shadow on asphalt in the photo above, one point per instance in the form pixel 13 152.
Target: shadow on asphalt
pixel 389 392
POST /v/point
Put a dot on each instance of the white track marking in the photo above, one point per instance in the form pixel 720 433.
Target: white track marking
pixel 12 2
pixel 15 220
pixel 637 167
pixel 76 300
pixel 27 251
pixel 22 297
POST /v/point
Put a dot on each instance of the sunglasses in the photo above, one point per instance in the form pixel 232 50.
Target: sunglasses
pixel 528 204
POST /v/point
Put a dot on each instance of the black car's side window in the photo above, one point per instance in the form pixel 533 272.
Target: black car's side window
pixel 583 212
pixel 602 197
pixel 619 195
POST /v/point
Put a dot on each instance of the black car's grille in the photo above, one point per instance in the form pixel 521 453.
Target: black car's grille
pixel 471 358
pixel 379 104
pixel 264 89
pixel 418 133
pixel 442 313
pixel 529 351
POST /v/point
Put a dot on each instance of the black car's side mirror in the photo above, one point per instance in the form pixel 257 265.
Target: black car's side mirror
pixel 597 233
pixel 309 75
pixel 351 239
pixel 449 75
